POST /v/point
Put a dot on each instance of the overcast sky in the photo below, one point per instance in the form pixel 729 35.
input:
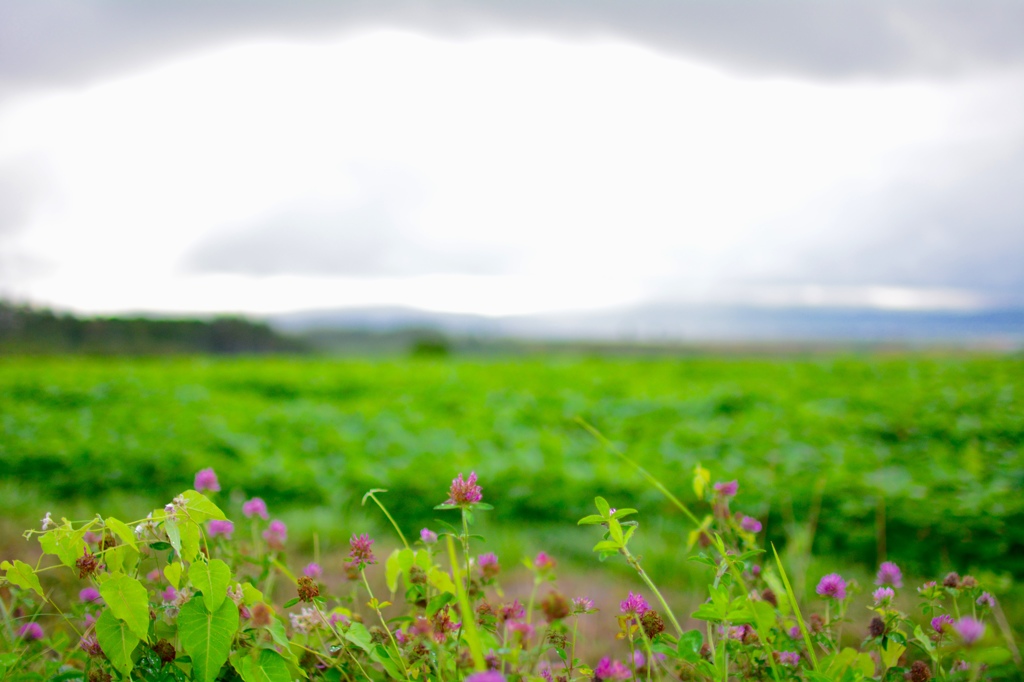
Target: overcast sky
pixel 510 157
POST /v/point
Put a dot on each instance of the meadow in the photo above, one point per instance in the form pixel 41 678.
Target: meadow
pixel 913 458
pixel 842 463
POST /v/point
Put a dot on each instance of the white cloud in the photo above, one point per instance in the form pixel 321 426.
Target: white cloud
pixel 599 172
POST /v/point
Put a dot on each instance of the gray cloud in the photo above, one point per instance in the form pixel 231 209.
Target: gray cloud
pixel 45 43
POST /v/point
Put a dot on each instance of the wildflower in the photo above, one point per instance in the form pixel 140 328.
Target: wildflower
pixel 750 524
pixel 951 580
pixel 87 564
pixel 634 605
pixel 986 599
pixel 261 615
pixel 360 555
pixel 169 594
pixel 154 575
pixel 488 564
pixel 968 582
pixel 969 629
pixel 91 646
pixel 883 596
pixel 582 605
pixel 236 594
pixel 794 632
pixel 768 595
pixel 307 589
pixel 652 623
pixel 755 570
pixel 942 624
pixel 89 594
pixel 960 667
pixel 919 672
pixel 305 621
pixel 609 669
pixel 428 536
pixel 91 538
pixel 876 628
pixel 165 651
pixel 464 492
pixel 337 618
pixel 889 574
pixel 832 585
pixel 543 562
pixel 276 534
pixel 511 611
pixel 791 658
pixel 206 479
pixel 728 489
pixel 640 661
pixel 255 507
pixel 486 676
pixel 48 522
pixel 442 625
pixel 149 527
pixel 220 528
pixel 313 570
pixel 31 631
pixel 555 606
pixel 523 630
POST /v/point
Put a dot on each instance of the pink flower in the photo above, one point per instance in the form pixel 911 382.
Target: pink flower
pixel 206 479
pixel 464 492
pixel 488 564
pixel 276 534
pixel 832 585
pixel 31 631
pixel 582 605
pixel 986 599
pixel 360 553
pixel 255 507
pixel 486 676
pixel 313 570
pixel 428 536
pixel 942 624
pixel 169 594
pixel 543 562
pixel 728 489
pixel 750 524
pixel 791 658
pixel 969 629
pixel 609 669
pixel 883 596
pixel 216 527
pixel 889 574
pixel 89 594
pixel 634 605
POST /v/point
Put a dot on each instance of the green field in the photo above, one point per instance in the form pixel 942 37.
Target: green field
pixel 917 457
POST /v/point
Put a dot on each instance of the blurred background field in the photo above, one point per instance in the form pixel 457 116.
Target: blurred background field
pixel 912 457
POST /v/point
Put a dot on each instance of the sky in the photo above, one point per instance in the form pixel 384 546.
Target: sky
pixel 510 157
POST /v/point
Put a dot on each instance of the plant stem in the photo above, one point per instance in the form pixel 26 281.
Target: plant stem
pixel 392 520
pixel 394 643
pixel 668 611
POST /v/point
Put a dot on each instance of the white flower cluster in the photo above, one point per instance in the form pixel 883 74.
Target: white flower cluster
pixel 307 621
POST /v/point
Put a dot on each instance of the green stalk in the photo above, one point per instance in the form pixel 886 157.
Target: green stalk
pixel 394 643
pixel 468 624
pixel 668 611
pixel 796 610
pixel 392 520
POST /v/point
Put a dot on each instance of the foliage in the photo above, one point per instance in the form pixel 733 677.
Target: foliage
pixel 927 449
pixel 155 607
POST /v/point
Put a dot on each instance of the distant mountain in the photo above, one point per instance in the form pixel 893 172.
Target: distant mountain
pixel 675 323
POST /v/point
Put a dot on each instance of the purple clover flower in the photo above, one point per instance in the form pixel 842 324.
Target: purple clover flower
pixel 255 507
pixel 464 492
pixel 832 585
pixel 217 527
pixel 360 551
pixel 544 562
pixel 634 605
pixel 206 479
pixel 486 676
pixel 889 574
pixel 794 632
pixel 727 489
pixel 791 658
pixel 428 536
pixel 582 605
pixel 942 624
pixel 89 594
pixel 750 524
pixel 276 534
pixel 609 669
pixel 969 629
pixel 488 564
pixel 31 631
pixel 883 596
pixel 169 595
pixel 986 599
pixel 313 570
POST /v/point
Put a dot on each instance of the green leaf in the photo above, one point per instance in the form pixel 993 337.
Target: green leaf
pixel 602 506
pixel 117 557
pixel 615 530
pixel 392 569
pixel 620 513
pixel 439 602
pixel 189 541
pixel 606 546
pixel 270 667
pixel 250 595
pixel 121 530
pixel 199 508
pixel 360 636
pixel 211 578
pixel 173 573
pixel 440 580
pixel 129 601
pixel 117 641
pixel 206 637
pixel 891 653
pixel 690 644
pixel 21 574
pixel 291 602
pixel 591 520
